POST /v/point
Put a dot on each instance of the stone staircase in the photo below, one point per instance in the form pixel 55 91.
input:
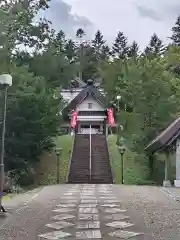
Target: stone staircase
pixel 79 169
pixel 80 162
pixel 101 169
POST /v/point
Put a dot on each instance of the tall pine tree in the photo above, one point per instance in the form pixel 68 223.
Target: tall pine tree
pixel 80 34
pixel 70 49
pixel 155 47
pixel 100 52
pixel 120 46
pixel 106 52
pixel 133 50
pixel 176 33
pixel 98 44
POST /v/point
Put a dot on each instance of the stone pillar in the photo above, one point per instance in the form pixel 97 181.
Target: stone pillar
pixel 166 182
pixel 177 181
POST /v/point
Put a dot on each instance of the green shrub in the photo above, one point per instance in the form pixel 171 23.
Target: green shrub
pixel 47 169
pixel 136 169
pixel 64 142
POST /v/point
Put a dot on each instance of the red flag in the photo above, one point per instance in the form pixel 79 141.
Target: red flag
pixel 74 119
pixel 110 116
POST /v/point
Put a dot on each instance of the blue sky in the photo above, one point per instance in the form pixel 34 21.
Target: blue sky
pixel 138 19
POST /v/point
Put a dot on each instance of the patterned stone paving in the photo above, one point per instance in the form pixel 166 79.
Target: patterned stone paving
pixel 90 212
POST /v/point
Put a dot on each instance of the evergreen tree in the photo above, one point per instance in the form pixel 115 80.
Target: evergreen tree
pixel 32 120
pixel 133 50
pixel 120 46
pixel 98 41
pixel 100 53
pixel 155 47
pixel 98 44
pixel 176 32
pixel 70 49
pixel 89 62
pixel 59 42
pixel 106 52
pixel 80 33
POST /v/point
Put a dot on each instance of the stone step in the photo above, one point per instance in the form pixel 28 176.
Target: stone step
pixel 100 171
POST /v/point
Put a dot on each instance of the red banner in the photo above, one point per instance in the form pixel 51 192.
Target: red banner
pixel 74 119
pixel 110 116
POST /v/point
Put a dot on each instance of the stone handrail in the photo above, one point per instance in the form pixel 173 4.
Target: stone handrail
pixel 111 160
pixel 70 158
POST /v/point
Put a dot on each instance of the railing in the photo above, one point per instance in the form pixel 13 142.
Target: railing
pixel 111 162
pixel 90 154
pixel 92 113
pixel 70 159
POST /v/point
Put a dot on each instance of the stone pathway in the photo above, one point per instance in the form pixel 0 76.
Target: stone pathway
pixel 90 212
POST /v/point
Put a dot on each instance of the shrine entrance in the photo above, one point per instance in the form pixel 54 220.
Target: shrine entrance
pixel 90 128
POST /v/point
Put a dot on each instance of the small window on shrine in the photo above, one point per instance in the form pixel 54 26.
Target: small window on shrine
pixel 90 105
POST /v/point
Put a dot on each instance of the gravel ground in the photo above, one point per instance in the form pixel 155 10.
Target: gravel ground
pixel 151 212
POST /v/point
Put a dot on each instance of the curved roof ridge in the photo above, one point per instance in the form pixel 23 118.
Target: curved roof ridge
pixel 165 137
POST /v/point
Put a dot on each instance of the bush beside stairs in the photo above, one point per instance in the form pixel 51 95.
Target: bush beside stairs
pixel 46 169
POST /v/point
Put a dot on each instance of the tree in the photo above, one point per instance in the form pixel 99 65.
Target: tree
pixel 176 32
pixel 70 50
pixel 29 130
pixel 120 47
pixel 89 65
pixel 98 44
pixel 32 120
pixel 19 25
pixel 80 33
pixel 98 41
pixel 54 63
pixel 150 105
pixel 155 47
pixel 173 59
pixel 147 106
pixel 57 43
pixel 133 50
pixel 106 52
pixel 55 72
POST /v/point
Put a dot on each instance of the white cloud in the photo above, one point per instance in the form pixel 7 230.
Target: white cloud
pixel 138 19
pixel 62 18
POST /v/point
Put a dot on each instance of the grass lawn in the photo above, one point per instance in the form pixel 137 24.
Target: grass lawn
pixel 135 166
pixel 47 168
pixel 64 142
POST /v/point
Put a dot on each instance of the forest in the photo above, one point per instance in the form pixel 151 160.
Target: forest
pixel 42 60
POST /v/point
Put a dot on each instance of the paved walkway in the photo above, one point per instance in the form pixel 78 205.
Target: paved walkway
pixel 90 212
pixel 106 212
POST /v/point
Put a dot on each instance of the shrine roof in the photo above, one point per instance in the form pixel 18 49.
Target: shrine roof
pixel 165 138
pixel 89 90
